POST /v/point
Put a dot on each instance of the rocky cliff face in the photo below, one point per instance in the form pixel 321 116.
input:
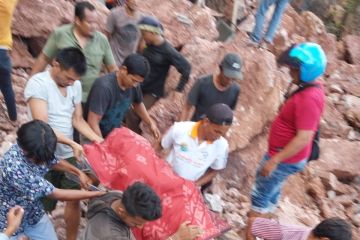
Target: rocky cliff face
pixel 330 186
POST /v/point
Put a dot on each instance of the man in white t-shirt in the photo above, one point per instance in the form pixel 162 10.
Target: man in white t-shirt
pixel 54 97
pixel 198 149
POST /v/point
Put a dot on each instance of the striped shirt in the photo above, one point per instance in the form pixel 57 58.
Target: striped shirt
pixel 271 230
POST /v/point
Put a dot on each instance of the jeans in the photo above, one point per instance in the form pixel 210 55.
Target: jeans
pixel 5 84
pixel 43 230
pixel 257 34
pixel 266 190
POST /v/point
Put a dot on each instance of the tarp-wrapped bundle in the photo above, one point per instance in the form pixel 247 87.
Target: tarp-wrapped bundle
pixel 125 157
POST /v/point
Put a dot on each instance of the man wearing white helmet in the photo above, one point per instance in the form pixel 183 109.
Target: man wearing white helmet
pixel 292 133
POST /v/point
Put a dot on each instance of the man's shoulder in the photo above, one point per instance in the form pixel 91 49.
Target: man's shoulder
pixel 100 37
pixel 105 81
pixel 118 12
pixel 102 226
pixel 315 93
pixel 206 79
pixel 42 78
pixel 183 126
pixel 63 29
pixel 221 143
pixel 235 87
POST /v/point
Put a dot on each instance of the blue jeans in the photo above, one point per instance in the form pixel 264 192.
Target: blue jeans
pixel 5 84
pixel 43 230
pixel 257 34
pixel 266 190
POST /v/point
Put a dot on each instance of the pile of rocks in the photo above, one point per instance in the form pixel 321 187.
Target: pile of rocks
pixel 330 186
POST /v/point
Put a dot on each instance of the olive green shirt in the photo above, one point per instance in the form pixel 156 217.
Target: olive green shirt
pixel 97 51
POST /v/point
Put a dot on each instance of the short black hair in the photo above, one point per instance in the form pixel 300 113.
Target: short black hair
pixel 72 57
pixel 140 200
pixel 80 9
pixel 137 64
pixel 38 140
pixel 334 229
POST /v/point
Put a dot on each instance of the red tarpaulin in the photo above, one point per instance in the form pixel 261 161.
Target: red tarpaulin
pixel 126 157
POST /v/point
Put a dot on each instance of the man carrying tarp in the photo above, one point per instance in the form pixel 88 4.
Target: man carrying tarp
pixel 112 215
pixel 198 149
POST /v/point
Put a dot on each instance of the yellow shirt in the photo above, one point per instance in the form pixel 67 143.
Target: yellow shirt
pixel 6 12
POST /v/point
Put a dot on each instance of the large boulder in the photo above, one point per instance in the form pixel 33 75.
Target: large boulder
pixel 36 18
pixel 352 44
pixel 339 154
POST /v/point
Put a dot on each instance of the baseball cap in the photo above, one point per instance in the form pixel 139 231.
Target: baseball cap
pixel 220 114
pixel 231 66
pixel 151 24
pixel 137 64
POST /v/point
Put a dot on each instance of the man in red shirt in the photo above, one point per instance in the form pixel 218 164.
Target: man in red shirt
pixel 292 132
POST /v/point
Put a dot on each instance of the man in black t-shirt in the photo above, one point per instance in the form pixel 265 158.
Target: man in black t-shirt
pixel 112 95
pixel 210 90
pixel 161 55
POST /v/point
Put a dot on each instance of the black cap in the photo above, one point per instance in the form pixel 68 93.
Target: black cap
pixel 220 114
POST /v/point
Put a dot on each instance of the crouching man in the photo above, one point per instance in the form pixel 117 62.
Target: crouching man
pixel 112 215
pixel 199 149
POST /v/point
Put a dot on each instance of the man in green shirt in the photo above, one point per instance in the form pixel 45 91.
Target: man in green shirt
pixel 81 34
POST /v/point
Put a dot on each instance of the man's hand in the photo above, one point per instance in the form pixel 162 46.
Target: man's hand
pixel 77 150
pixel 85 181
pixel 98 139
pixel 154 129
pixel 187 232
pixel 14 218
pixel 269 167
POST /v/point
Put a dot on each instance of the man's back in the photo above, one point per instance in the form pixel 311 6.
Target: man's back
pixel 272 230
pixel 102 221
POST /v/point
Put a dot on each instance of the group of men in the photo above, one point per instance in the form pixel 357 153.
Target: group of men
pixel 73 95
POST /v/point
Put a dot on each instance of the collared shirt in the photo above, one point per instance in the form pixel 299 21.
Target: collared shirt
pixel 97 52
pixel 272 230
pixel 190 158
pixel 7 8
pixel 22 184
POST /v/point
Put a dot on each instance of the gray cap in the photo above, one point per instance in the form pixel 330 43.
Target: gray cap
pixel 231 66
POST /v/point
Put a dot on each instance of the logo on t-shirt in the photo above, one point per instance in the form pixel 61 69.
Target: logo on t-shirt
pixel 184 147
